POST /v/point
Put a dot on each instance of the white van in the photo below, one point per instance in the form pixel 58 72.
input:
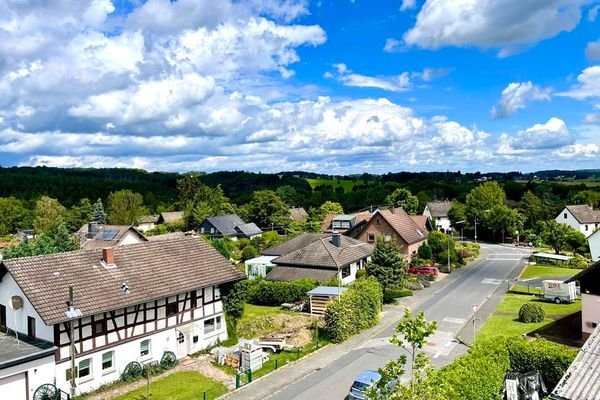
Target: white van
pixel 559 292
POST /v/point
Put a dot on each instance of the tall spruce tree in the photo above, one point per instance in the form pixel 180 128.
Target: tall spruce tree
pixel 387 265
pixel 98 213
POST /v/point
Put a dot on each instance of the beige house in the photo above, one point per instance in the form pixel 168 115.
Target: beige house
pixel 589 282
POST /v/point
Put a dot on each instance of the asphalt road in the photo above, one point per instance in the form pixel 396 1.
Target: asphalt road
pixel 451 306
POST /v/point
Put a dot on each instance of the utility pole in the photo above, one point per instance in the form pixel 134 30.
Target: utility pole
pixel 72 313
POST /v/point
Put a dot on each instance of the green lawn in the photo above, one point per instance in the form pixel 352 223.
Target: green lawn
pixel 542 271
pixel 186 385
pixel 346 184
pixel 504 322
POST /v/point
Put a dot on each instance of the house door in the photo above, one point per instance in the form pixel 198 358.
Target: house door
pixel 182 344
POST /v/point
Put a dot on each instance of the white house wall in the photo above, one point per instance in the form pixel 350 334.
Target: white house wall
pixel 36 373
pixel 17 319
pixel 590 313
pixel 594 242
pixel 565 217
pixel 129 238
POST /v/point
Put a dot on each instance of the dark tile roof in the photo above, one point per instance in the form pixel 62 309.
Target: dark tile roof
pixel 152 270
pixel 25 349
pixel 249 229
pixel 226 224
pixel 584 214
pixel 439 208
pixel 166 236
pixel 298 214
pixel 403 224
pixel 324 254
pixel 581 380
pixel 591 268
pixel 293 244
pixel 285 273
pixel 170 217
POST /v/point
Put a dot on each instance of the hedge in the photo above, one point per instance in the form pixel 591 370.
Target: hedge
pixel 266 293
pixel 357 309
pixel 479 374
pixel 389 295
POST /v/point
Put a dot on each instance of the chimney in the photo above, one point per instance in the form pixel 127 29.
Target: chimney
pixel 336 239
pixel 92 230
pixel 108 256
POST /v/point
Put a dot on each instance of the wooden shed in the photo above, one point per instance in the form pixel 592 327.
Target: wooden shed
pixel 321 296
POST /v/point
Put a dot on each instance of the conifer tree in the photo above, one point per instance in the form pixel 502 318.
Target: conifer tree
pixel 98 214
pixel 387 265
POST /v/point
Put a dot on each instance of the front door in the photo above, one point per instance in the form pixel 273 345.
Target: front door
pixel 182 345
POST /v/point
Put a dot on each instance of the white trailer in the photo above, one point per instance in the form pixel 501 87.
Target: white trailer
pixel 559 292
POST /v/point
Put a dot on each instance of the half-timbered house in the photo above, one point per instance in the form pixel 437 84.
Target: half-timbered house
pixel 134 303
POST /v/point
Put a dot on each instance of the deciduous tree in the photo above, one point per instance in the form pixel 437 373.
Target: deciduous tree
pixel 267 208
pixel 404 198
pixel 555 234
pixel 125 207
pixel 49 214
pixel 13 215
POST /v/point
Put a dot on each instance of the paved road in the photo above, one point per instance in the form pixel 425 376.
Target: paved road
pixel 450 306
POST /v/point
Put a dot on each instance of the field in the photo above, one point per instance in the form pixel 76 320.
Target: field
pixel 543 271
pixel 588 183
pixel 346 184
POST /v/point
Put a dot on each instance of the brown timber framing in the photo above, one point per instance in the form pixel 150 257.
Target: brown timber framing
pixel 195 301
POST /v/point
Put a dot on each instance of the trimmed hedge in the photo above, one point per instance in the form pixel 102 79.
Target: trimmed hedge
pixel 531 312
pixel 357 309
pixel 479 374
pixel 389 295
pixel 266 293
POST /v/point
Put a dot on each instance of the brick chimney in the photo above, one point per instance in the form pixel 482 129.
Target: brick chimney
pixel 108 256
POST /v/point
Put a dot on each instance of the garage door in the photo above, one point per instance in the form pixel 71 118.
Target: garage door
pixel 14 387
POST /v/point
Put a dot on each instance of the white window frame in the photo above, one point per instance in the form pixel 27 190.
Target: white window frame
pixel 149 348
pixel 90 374
pixel 213 324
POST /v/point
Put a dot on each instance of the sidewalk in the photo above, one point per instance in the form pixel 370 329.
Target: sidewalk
pixel 275 381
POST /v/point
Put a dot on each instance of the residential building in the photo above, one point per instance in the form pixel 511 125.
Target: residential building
pixel 394 224
pixel 437 212
pixel 261 266
pixel 97 236
pixel 580 381
pixel 131 303
pixel 298 214
pixel 343 222
pixel 594 243
pixel 330 257
pixel 147 223
pixel 582 218
pixel 589 282
pixel 171 217
pixel 229 225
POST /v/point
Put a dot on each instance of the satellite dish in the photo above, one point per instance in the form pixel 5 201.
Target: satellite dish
pixel 16 302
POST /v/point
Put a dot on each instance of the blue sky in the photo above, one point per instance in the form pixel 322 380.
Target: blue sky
pixel 326 86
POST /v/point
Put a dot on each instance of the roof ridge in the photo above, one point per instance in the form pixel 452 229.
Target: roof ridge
pixel 329 252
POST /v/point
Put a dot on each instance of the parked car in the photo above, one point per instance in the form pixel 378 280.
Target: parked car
pixel 364 381
pixel 424 271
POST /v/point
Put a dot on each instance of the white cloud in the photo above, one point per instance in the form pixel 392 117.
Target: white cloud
pixel 588 85
pixel 516 95
pixel 593 13
pixel 430 74
pixel 578 150
pixel 551 135
pixel 392 45
pixel 408 5
pixel 508 25
pixel 592 50
pixel 396 83
pixel 592 118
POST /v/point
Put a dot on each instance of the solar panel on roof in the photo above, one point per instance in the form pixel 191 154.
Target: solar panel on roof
pixel 108 235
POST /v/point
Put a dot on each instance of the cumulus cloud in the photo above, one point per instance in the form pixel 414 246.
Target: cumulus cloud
pixel 516 95
pixel 588 85
pixel 550 135
pixel 392 45
pixel 508 25
pixel 592 50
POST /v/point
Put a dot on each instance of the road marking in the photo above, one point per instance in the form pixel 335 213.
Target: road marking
pixel 489 281
pixel 436 355
pixel 503 259
pixel 453 320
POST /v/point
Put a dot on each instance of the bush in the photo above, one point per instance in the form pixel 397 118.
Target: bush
pixel 531 312
pixel 357 309
pixel 389 295
pixel 267 293
pixel 361 273
pixel 425 252
pixel 249 252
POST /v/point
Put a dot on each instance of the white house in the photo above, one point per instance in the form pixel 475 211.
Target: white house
pixel 580 217
pixel 594 242
pixel 437 212
pixel 135 303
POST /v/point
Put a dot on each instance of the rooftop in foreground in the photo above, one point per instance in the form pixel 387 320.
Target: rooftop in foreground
pixel 15 351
